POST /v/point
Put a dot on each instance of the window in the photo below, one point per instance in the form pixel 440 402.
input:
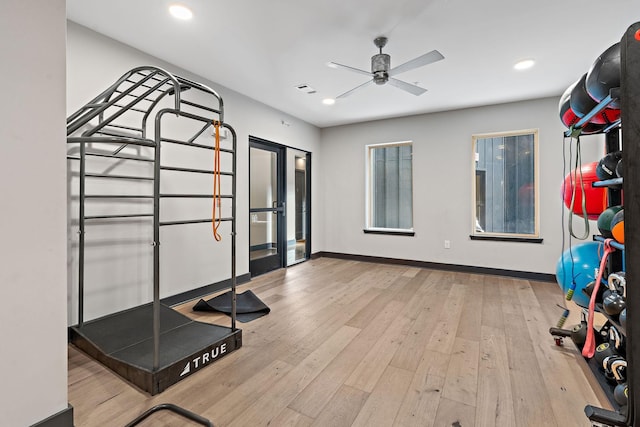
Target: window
pixel 505 196
pixel 390 188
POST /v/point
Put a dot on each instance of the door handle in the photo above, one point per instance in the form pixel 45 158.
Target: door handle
pixel 281 208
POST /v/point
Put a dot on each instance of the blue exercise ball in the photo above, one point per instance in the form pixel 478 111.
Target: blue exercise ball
pixel 579 265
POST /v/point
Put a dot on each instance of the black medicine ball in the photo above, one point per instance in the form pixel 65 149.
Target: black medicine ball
pixel 606 168
pixel 604 75
pixel 619 169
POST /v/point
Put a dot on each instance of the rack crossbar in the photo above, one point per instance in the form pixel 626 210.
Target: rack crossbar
pixel 138 110
pixel 195 196
pixel 192 221
pixel 130 140
pixel 111 156
pixel 171 168
pixel 118 216
pixel 126 127
pixel 118 196
pixel 103 175
pixel 193 104
pixel 190 144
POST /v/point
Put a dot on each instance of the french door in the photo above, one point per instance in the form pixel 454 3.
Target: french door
pixel 267 206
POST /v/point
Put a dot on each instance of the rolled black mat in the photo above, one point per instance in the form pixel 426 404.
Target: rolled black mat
pixel 248 306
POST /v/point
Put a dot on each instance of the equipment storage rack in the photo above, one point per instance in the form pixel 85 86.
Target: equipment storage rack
pixel 152 345
pixel 629 96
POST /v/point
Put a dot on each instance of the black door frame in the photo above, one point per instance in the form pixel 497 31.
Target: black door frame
pixel 269 263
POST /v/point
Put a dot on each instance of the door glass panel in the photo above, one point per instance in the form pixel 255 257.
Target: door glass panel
pixel 263 195
pixel 264 179
pixel 297 233
pixel 264 236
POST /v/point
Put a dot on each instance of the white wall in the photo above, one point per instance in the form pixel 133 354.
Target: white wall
pixel 119 273
pixel 32 183
pixel 442 186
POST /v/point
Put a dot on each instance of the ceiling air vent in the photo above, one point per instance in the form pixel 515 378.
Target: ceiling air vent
pixel 306 89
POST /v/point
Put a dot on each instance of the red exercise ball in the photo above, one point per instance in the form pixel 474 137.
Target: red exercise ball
pixel 596 197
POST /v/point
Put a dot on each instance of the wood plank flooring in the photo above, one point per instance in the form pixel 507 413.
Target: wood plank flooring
pixel 349 343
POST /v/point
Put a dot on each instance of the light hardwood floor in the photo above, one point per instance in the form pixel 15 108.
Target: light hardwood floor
pixel 351 343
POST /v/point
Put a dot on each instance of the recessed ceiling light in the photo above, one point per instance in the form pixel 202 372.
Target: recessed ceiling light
pixel 524 64
pixel 180 12
pixel 328 101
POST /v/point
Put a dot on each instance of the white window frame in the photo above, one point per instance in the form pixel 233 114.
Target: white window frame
pixel 369 189
pixel 536 171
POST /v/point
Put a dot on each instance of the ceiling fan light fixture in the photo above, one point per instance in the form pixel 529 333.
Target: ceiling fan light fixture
pixel 329 101
pixel 181 12
pixel 525 64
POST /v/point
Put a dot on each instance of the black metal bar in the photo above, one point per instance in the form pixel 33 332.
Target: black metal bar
pixel 176 169
pixel 138 110
pixel 206 147
pixel 126 127
pixel 233 224
pixel 115 139
pixel 200 132
pixel 630 116
pixel 194 196
pixel 156 247
pixel 120 157
pixel 118 216
pixel 118 196
pixel 173 408
pixel 81 195
pixel 102 175
pixel 612 144
pixel 193 104
pixel 192 221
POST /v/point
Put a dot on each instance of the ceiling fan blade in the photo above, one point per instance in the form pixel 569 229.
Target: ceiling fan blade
pixel 346 67
pixel 349 92
pixel 416 90
pixel 427 58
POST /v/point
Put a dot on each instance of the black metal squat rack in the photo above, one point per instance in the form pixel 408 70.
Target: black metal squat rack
pixel 152 346
pixel 629 96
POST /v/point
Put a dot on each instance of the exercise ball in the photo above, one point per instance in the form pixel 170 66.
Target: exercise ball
pixel 617 227
pixel 569 118
pixel 606 168
pixel 605 219
pixel 578 265
pixel 623 318
pixel 619 169
pixel 581 103
pixel 604 75
pixel 596 197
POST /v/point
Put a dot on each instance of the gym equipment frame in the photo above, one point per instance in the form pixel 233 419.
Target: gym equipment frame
pixel 629 95
pixel 152 346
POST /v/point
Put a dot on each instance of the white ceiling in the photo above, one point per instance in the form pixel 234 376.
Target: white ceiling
pixel 264 49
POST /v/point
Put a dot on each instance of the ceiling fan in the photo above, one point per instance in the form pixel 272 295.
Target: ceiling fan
pixel 382 73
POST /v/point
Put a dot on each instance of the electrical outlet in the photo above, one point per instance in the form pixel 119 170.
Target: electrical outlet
pixel 447 244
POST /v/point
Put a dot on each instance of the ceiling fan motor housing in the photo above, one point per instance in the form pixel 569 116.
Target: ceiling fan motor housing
pixel 380 65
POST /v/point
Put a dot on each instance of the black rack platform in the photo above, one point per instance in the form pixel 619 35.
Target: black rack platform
pixel 123 342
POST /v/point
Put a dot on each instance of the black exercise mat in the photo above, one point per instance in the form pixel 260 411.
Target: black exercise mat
pixel 248 306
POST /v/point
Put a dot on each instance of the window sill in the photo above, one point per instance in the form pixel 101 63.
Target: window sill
pixel 390 232
pixel 507 239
